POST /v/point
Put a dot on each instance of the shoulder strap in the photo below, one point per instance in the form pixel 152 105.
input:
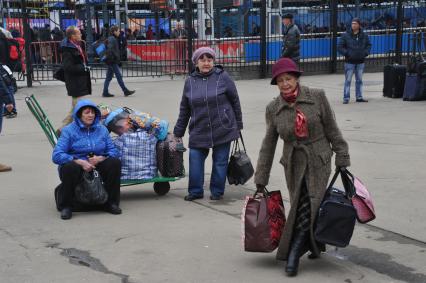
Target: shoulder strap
pixel 333 180
pixel 347 180
pixel 242 141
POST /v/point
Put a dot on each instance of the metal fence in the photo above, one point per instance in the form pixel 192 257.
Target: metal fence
pixel 247 37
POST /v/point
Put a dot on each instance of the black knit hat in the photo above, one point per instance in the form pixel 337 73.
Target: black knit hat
pixel 288 16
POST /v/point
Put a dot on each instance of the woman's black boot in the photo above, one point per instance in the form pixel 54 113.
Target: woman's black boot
pixel 299 246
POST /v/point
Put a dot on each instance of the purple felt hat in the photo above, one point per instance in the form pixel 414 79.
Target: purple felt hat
pixel 284 65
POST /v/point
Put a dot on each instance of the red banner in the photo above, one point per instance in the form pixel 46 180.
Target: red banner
pixel 152 52
pixel 226 52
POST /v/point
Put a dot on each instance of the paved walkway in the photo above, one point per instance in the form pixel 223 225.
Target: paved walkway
pixel 164 239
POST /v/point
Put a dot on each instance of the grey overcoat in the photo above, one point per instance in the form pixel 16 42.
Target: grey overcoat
pixel 309 158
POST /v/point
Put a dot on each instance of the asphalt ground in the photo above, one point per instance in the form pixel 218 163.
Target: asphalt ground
pixel 165 239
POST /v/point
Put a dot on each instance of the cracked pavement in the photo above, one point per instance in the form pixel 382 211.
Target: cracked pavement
pixel 165 239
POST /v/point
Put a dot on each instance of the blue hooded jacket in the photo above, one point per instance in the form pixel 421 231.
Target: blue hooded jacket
pixel 77 141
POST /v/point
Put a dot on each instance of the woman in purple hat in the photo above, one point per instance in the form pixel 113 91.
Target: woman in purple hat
pixel 211 106
pixel 303 118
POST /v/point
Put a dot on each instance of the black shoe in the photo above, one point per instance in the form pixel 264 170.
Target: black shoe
pixel 129 92
pixel 313 256
pixel 345 101
pixel 192 197
pixel 108 95
pixel 299 246
pixel 11 115
pixel 215 197
pixel 361 100
pixel 58 132
pixel 66 213
pixel 113 209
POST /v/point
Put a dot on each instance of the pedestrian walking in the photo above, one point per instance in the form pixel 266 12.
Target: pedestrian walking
pixel 113 56
pixel 211 105
pixel 291 39
pixel 355 46
pixel 7 74
pixel 303 118
pixel 6 102
pixel 76 71
pixel 85 145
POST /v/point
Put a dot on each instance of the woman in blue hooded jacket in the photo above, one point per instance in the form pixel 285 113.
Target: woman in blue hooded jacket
pixel 84 145
pixel 211 106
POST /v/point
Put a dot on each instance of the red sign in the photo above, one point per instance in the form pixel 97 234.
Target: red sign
pixel 226 52
pixel 151 52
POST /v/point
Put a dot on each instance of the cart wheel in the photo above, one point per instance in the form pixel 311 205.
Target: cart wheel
pixel 162 188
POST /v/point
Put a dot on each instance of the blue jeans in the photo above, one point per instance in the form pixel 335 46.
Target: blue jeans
pixel 13 100
pixel 350 69
pixel 113 69
pixel 197 158
pixel 2 106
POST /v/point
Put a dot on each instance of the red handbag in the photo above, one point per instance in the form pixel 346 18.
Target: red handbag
pixel 263 220
pixel 361 199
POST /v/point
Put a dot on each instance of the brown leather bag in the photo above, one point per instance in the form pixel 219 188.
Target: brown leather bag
pixel 263 220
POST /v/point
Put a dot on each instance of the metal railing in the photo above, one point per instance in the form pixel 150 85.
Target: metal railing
pixel 252 55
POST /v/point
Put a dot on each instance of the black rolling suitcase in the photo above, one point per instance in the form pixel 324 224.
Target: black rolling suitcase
pixel 394 80
pixel 415 87
pixel 336 218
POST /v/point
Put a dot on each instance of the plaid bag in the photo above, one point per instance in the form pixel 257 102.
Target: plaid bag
pixel 137 155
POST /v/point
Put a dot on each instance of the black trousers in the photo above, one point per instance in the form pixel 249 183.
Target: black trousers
pixel 71 174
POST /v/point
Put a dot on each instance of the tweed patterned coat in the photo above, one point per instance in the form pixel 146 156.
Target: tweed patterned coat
pixel 308 159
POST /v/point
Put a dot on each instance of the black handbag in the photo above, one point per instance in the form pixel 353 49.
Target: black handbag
pixel 240 169
pixel 91 189
pixel 336 218
pixel 59 74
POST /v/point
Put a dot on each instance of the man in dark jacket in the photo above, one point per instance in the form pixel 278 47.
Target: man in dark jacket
pixel 113 60
pixel 291 39
pixel 5 99
pixel 355 46
pixel 6 72
pixel 4 50
pixel 76 72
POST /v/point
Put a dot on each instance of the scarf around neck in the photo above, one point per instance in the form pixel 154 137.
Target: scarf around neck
pixel 80 50
pixel 301 122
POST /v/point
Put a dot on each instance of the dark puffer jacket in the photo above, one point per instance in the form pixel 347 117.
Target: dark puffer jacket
pixel 113 51
pixel 77 79
pixel 211 105
pixel 355 47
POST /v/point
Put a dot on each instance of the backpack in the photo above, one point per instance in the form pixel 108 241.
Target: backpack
pixel 15 55
pixel 100 48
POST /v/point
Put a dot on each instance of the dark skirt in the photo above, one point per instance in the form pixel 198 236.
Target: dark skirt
pixel 303 215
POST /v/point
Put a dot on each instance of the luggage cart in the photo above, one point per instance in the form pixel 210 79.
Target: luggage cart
pixel 161 184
